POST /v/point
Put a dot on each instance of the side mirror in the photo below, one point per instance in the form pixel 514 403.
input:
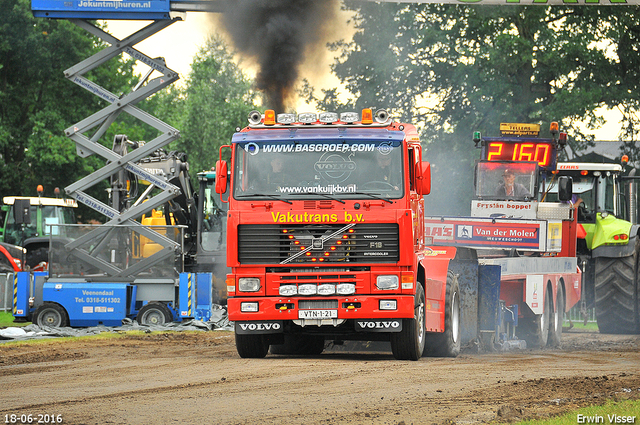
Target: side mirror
pixel 221 176
pixel 423 178
pixel 565 188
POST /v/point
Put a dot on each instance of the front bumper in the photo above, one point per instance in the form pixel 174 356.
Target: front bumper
pixel 351 307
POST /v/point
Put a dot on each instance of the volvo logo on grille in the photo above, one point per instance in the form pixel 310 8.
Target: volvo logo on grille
pixel 388 325
pixel 258 327
pixel 317 243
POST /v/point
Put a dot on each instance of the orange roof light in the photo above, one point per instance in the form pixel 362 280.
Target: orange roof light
pixel 40 190
pixel 554 126
pixel 269 117
pixel 367 116
pixel 625 159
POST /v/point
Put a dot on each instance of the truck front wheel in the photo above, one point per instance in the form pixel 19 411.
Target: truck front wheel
pixel 447 344
pixel 617 294
pixel 251 346
pixel 409 343
pixel 51 314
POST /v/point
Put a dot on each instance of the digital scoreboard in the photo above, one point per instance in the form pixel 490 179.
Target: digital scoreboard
pixel 542 152
pixel 520 144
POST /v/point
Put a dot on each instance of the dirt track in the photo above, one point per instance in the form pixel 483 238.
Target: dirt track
pixel 197 377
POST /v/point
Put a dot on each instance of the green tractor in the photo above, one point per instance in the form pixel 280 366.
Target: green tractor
pixel 608 243
pixel 31 222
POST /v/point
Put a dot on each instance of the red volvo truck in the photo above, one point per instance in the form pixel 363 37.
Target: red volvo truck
pixel 326 241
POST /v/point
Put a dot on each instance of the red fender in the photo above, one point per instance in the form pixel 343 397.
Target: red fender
pixel 435 262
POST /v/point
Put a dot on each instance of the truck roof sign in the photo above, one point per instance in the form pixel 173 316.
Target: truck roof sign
pixel 518 129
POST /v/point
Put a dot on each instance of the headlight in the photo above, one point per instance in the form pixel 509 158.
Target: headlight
pixel 346 288
pixel 326 289
pixel 249 307
pixel 248 284
pixel 307 289
pixel 288 290
pixel 387 282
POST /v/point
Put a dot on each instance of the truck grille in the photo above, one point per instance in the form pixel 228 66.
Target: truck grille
pixel 318 243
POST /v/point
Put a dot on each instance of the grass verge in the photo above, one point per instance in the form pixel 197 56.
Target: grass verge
pixel 613 412
pixel 6 320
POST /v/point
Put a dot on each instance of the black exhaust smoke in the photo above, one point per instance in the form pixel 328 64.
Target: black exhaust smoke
pixel 278 34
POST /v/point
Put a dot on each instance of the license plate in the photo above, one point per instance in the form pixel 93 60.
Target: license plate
pixel 317 314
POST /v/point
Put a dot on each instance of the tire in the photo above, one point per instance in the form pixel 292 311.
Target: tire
pixel 447 343
pixel 299 345
pixel 251 346
pixel 37 256
pixel 536 329
pixel 557 318
pixel 51 314
pixel 616 294
pixel 154 314
pixel 409 343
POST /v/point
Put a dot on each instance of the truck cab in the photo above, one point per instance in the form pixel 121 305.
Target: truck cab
pixel 325 233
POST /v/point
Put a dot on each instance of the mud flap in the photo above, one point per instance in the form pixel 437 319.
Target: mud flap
pixel 489 300
pixel 467 273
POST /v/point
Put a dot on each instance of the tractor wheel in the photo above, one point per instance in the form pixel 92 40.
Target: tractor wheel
pixel 37 256
pixel 51 314
pixel 154 314
pixel 251 346
pixel 299 345
pixel 617 294
pixel 408 344
pixel 557 318
pixel 447 344
pixel 536 329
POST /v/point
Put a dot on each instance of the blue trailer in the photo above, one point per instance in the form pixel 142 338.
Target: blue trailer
pixel 80 302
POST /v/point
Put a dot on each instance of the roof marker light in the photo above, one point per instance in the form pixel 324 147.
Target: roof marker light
pixel 269 117
pixel 367 116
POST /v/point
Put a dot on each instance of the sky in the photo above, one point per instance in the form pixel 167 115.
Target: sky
pixel 180 42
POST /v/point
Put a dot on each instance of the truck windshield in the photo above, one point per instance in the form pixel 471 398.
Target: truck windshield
pixel 313 170
pixel 506 180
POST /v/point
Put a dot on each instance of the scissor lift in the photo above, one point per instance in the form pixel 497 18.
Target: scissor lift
pixel 96 275
pixel 162 13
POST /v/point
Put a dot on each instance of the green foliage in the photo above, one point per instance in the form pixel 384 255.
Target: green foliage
pixel 216 99
pixel 453 70
pixel 37 103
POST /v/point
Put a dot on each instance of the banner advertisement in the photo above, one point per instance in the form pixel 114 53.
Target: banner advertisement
pixel 488 233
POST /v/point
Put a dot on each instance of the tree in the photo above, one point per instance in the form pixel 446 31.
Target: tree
pixel 37 103
pixel 454 70
pixel 215 100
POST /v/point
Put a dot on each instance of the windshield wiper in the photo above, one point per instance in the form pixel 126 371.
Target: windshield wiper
pixel 321 194
pixel 277 198
pixel 373 195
